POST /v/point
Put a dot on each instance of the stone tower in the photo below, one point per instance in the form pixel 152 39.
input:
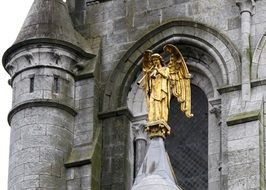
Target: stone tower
pixel 77 116
pixel 47 66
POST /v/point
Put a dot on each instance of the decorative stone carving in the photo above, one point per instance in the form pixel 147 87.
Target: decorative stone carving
pixel 216 110
pixel 246 6
pixel 29 58
pixel 140 136
pixel 139 132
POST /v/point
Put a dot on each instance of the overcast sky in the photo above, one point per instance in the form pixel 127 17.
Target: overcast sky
pixel 12 15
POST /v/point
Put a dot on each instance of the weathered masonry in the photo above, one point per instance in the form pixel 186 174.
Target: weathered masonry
pixel 77 112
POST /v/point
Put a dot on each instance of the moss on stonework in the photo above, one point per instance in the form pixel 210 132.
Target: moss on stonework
pixel 80 156
pixel 243 117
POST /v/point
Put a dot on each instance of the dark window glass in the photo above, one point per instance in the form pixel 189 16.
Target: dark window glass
pixel 31 84
pixel 187 145
pixel 56 84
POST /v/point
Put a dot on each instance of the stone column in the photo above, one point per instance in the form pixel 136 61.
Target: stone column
pixel 140 137
pixel 246 10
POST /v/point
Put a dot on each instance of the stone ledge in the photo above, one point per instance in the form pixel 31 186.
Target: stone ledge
pixel 79 156
pixel 229 88
pixel 259 82
pixel 243 117
pixel 39 67
pixel 40 103
pixel 43 41
pixel 237 87
pixel 118 112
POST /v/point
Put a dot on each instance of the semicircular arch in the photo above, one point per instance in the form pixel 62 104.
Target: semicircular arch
pixel 258 64
pixel 209 40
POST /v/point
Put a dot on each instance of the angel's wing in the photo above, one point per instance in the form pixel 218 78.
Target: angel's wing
pixel 146 65
pixel 180 79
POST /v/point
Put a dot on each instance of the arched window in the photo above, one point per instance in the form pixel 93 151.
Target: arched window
pixel 187 145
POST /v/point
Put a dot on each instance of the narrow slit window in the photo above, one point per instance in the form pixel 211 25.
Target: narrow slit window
pixel 31 84
pixel 56 84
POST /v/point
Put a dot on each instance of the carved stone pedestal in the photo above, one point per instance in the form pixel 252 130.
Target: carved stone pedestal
pixel 158 129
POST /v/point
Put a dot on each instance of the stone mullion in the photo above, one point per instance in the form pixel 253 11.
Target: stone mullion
pixel 246 10
pixel 140 145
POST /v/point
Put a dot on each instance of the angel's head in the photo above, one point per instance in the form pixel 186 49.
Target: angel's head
pixel 157 59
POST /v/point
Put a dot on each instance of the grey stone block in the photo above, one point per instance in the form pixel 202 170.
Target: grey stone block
pixel 121 24
pixel 83 138
pixel 84 116
pixel 85 92
pixel 85 170
pixel 85 183
pixel 83 127
pixel 234 23
pixel 33 130
pixel 138 5
pixel 70 174
pixel 173 12
pixel 59 132
pixel 73 184
pixel 86 103
pixel 16 171
pixel 30 183
pixel 36 168
pixel 23 156
pixel 15 183
pixel 243 170
pixel 51 155
pixel 147 18
pixel 47 181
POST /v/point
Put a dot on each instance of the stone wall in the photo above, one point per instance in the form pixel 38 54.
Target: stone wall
pixel 127 28
pixel 57 95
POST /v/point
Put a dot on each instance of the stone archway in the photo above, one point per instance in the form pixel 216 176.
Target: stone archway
pixel 206 76
pixel 258 65
pixel 212 60
pixel 189 33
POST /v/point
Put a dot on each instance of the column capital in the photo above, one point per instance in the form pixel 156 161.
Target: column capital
pixel 139 131
pixel 246 6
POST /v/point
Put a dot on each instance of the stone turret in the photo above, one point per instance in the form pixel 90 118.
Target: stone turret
pixel 43 63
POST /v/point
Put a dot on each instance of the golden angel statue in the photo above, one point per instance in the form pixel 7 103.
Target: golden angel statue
pixel 160 81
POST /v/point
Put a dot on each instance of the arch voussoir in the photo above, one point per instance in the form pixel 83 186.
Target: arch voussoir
pixel 176 32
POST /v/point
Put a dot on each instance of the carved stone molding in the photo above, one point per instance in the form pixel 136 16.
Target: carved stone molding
pixel 139 131
pixel 216 109
pixel 246 6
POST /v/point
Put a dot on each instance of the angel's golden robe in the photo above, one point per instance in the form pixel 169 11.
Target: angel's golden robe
pixel 159 95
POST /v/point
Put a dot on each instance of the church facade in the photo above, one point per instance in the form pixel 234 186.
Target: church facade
pixel 78 114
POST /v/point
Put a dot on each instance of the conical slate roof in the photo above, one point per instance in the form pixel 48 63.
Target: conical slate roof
pixel 48 21
pixel 156 171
